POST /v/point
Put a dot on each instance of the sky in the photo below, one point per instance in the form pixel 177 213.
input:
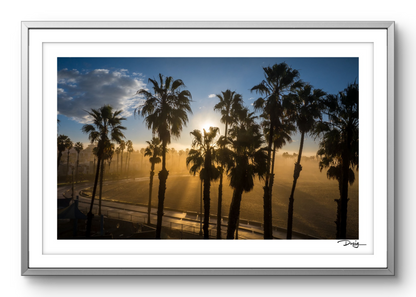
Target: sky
pixel 85 83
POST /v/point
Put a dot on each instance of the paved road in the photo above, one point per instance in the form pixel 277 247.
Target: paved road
pixel 186 222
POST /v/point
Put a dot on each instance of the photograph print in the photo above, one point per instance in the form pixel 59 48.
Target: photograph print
pixel 207 148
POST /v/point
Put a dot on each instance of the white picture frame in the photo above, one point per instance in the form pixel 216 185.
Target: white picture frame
pixel 41 257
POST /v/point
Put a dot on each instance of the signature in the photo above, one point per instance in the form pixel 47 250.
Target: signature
pixel 354 244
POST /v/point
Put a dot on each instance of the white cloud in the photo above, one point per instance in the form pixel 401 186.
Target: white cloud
pixel 211 96
pixel 80 91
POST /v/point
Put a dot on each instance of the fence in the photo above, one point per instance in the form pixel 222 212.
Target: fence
pixel 188 227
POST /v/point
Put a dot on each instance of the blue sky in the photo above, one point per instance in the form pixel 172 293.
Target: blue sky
pixel 85 83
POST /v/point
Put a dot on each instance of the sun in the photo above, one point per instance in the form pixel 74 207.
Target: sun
pixel 206 126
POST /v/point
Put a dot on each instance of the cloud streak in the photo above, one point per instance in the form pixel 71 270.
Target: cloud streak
pixel 79 91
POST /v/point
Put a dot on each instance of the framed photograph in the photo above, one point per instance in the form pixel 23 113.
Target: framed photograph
pixel 207 148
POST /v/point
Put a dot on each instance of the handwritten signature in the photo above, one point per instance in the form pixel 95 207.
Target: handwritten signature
pixel 354 244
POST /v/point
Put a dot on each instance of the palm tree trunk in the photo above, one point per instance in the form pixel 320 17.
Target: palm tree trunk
pixel 90 215
pixel 234 214
pixel 152 173
pixel 272 171
pixel 207 188
pixel 101 187
pixel 121 164
pixel 267 201
pixel 296 173
pixel 67 165
pixel 343 203
pixel 219 210
pixel 117 162
pixel 76 174
pixel 207 200
pixel 163 176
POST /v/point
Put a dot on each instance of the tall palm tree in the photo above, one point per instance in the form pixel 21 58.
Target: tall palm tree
pixel 202 156
pixel 279 80
pixel 110 154
pixel 117 151
pixel 130 149
pixel 246 159
pixel 180 153
pixel 154 151
pixel 306 105
pixel 63 143
pixel 122 146
pixel 338 148
pixel 165 111
pixel 78 147
pixel 230 103
pixel 69 146
pixel 105 127
pixel 142 152
pixel 173 153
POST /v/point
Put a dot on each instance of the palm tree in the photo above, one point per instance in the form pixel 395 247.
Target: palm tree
pixel 165 113
pixel 122 146
pixel 306 105
pixel 230 103
pixel 110 153
pixel 130 149
pixel 142 152
pixel 154 151
pixel 246 159
pixel 107 154
pixel 338 148
pixel 78 147
pixel 118 151
pixel 279 80
pixel 172 152
pixel 282 135
pixel 63 143
pixel 105 127
pixel 69 146
pixel 202 156
pixel 180 153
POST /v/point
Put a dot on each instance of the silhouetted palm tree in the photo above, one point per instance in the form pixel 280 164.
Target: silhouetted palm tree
pixel 202 156
pixel 154 151
pixel 78 147
pixel 69 146
pixel 107 154
pixel 105 127
pixel 306 106
pixel 279 80
pixel 130 149
pixel 63 143
pixel 246 159
pixel 117 151
pixel 110 155
pixel 165 111
pixel 122 146
pixel 338 148
pixel 281 136
pixel 230 103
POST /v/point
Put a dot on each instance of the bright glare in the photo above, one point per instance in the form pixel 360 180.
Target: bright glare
pixel 206 126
